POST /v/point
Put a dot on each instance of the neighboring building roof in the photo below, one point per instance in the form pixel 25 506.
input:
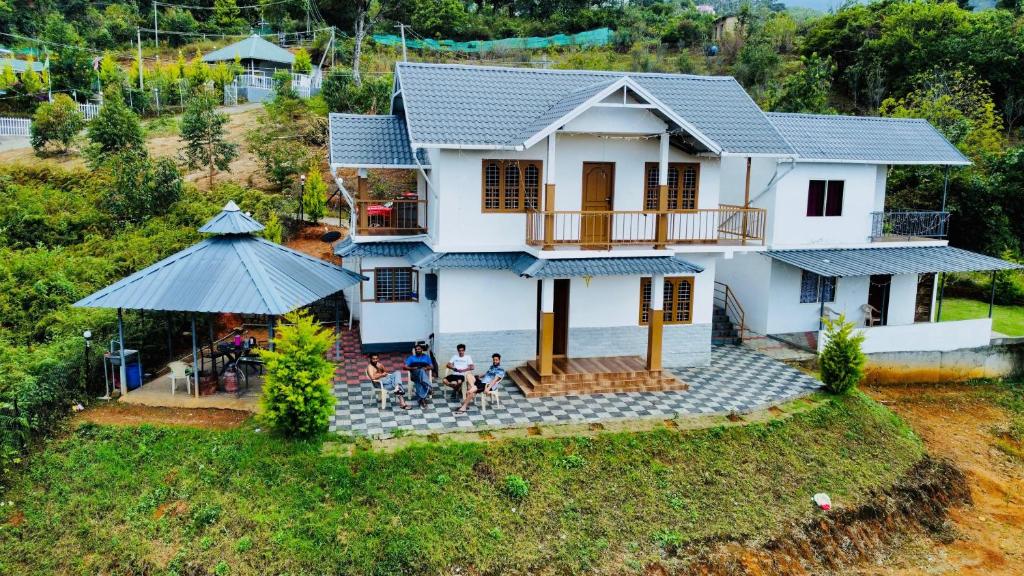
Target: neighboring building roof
pixel 254 48
pixel 231 272
pixel 866 139
pixel 532 267
pixel 231 220
pixel 843 262
pixel 457 105
pixel 349 249
pixel 20 66
pixel 359 141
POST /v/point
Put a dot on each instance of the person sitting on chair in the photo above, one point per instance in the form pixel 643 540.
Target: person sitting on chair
pixel 461 368
pixel 392 382
pixel 489 381
pixel 417 364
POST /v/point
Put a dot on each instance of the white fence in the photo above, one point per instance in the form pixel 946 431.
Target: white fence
pixel 89 110
pixel 15 126
pixel 303 85
pixel 256 81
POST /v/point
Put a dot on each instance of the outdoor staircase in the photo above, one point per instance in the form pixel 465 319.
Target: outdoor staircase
pixel 723 331
pixel 594 376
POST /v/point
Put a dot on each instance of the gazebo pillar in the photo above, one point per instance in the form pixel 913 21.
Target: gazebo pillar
pixel 270 333
pixel 547 327
pixel 337 326
pixel 195 358
pixel 655 321
pixel 120 341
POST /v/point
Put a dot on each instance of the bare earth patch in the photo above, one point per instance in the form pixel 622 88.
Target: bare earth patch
pixel 115 413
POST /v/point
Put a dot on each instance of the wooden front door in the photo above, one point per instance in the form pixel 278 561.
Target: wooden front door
pixel 923 303
pixel 878 295
pixel 596 205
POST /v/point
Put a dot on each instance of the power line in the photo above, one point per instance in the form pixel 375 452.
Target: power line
pixel 248 7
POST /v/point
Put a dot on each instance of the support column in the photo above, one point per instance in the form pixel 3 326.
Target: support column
pixel 549 195
pixel 195 357
pixel 120 341
pixel 362 194
pixel 337 326
pixel 992 296
pixel 270 333
pixel 547 327
pixel 655 322
pixel 661 239
pixel 746 204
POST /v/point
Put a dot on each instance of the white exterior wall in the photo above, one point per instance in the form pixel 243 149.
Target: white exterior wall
pixel 483 300
pixel 925 336
pixel 748 276
pixel 389 322
pixel 789 226
pixel 787 314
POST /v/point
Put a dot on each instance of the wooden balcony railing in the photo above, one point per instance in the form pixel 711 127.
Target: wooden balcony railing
pixel 400 217
pixel 600 230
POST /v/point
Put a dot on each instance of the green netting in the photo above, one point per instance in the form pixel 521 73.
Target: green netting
pixel 598 37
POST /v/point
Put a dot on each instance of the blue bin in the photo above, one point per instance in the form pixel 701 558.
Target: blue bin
pixel 134 375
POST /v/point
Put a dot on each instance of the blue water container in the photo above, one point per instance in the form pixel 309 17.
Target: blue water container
pixel 133 372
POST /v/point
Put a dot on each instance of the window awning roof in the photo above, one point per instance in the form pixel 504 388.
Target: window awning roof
pixel 842 262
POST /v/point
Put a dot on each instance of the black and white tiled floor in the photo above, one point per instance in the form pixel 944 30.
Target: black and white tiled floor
pixel 738 380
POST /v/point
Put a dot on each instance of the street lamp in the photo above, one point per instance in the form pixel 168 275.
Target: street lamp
pixel 302 190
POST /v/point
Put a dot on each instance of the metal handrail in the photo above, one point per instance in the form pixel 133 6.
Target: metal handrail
pixel 406 216
pixel 725 299
pixel 910 224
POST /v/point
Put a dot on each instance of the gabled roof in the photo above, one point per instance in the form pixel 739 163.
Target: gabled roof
pixel 359 141
pixel 230 272
pixel 254 48
pixel 866 139
pixel 449 105
pixel 841 262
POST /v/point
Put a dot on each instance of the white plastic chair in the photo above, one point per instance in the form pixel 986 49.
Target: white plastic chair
pixel 492 396
pixel 179 370
pixel 379 394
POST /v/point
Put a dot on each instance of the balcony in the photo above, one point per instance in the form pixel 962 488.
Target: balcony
pixel 891 226
pixel 732 225
pixel 398 217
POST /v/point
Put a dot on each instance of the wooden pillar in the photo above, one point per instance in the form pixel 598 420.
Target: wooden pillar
pixel 655 322
pixel 549 195
pixel 547 327
pixel 362 195
pixel 120 340
pixel 746 205
pixel 661 239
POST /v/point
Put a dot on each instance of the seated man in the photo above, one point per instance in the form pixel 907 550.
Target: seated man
pixel 392 382
pixel 461 368
pixel 489 381
pixel 417 364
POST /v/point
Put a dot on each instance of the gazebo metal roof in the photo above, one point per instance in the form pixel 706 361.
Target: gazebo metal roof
pixel 254 48
pixel 233 271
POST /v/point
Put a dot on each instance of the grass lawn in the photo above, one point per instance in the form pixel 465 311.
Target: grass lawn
pixel 1007 320
pixel 163 500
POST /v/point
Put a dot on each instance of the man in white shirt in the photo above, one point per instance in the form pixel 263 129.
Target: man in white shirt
pixel 460 368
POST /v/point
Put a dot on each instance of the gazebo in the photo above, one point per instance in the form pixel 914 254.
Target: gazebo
pixel 232 271
pixel 254 53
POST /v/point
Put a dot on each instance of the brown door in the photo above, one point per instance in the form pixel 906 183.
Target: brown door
pixel 923 304
pixel 560 338
pixel 598 191
pixel 878 295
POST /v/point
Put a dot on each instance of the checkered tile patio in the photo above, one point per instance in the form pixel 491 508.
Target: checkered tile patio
pixel 738 379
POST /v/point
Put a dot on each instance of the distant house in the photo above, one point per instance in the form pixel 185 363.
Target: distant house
pixel 706 9
pixel 257 56
pixel 725 25
pixel 20 66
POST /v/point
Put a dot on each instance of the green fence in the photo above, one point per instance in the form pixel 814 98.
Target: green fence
pixel 598 37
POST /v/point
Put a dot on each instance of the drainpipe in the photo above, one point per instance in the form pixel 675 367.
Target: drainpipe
pixel 776 176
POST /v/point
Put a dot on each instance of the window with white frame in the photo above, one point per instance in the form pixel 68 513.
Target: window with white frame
pixel 825 198
pixel 815 288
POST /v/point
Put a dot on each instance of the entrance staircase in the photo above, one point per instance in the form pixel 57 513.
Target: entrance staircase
pixel 593 376
pixel 723 331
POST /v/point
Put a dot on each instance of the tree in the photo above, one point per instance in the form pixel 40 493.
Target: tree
pixel 367 12
pixel 8 79
pixel 71 68
pixel 757 63
pixel 114 129
pixel 303 64
pixel 30 81
pixel 297 398
pixel 314 197
pixel 202 129
pixel 59 121
pixel 141 188
pixel 227 17
pixel 273 230
pixel 806 90
pixel 841 361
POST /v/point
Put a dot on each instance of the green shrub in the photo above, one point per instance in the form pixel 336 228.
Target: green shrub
pixel 314 197
pixel 841 361
pixel 59 121
pixel 114 129
pixel 516 487
pixel 297 398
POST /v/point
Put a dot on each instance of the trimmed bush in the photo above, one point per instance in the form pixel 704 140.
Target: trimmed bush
pixel 297 398
pixel 841 361
pixel 59 121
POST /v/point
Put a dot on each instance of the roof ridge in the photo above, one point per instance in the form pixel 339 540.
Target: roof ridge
pixel 845 116
pixel 575 71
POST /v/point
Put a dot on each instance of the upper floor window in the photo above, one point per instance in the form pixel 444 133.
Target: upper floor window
pixel 682 186
pixel 511 185
pixel 825 198
pixel 815 288
pixel 678 300
pixel 391 285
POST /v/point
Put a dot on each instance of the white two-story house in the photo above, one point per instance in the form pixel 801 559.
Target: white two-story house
pixel 567 217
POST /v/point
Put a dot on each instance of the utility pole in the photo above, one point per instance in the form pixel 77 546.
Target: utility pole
pixel 156 29
pixel 307 17
pixel 404 55
pixel 138 32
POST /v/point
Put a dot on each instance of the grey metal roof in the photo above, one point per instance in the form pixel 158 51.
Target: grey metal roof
pixel 347 248
pixel 843 262
pixel 253 47
pixel 231 220
pixel 360 141
pixel 423 257
pixel 453 105
pixel 531 267
pixel 231 273
pixel 20 66
pixel 866 139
